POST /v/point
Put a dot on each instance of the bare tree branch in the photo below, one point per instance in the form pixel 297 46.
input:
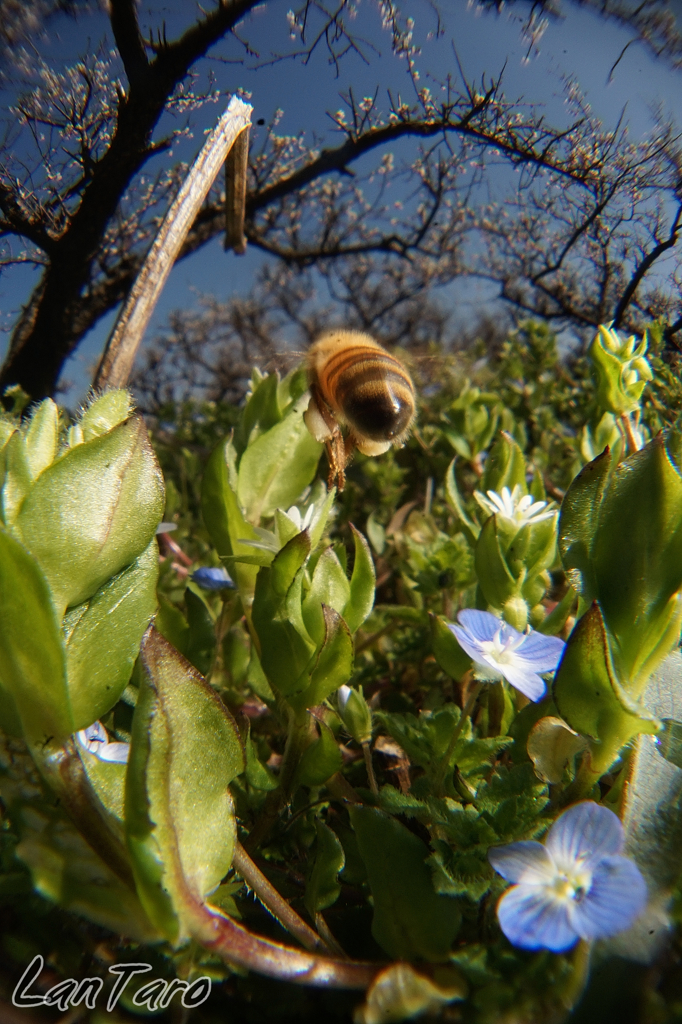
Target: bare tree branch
pixel 644 267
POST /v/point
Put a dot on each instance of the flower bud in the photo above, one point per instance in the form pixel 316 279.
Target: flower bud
pixel 355 714
pixel 622 371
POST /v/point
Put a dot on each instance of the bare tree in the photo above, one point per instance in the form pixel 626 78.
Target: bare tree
pixel 576 241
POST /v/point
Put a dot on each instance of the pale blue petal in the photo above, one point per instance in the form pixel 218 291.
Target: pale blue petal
pixel 526 861
pixel 116 752
pixel 467 642
pixel 95 733
pixel 616 897
pixel 527 682
pixel 585 833
pixel 543 651
pixel 532 919
pixel 481 625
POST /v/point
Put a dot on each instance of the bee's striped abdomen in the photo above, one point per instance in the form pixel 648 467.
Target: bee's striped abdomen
pixel 371 390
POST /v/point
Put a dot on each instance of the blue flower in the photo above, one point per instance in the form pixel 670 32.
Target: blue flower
pixel 577 886
pixel 213 579
pixel 500 652
pixel 95 740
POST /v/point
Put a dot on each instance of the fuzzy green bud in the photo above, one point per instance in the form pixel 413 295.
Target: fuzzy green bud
pixel 355 714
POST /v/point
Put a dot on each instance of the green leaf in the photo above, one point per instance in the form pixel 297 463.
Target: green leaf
pixel 286 529
pixel 505 465
pixel 494 577
pixel 376 534
pixel 553 623
pixel 105 413
pixel 410 919
pixel 278 466
pixel 333 665
pixel 93 511
pixel 257 774
pixel 286 648
pixel 42 437
pixel 426 739
pixel 201 638
pixel 534 548
pixel 224 519
pixel 108 779
pixel 322 887
pixel 330 587
pixel 103 638
pixel 470 528
pixel 172 624
pixel 256 678
pixel 362 584
pixel 587 694
pixel 316 531
pixel 260 413
pixel 320 760
pixel 637 558
pixel 18 477
pixel 446 650
pixel 32 661
pixel 578 522
pixel 179 813
pixel 67 872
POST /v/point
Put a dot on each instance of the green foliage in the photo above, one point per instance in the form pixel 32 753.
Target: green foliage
pixel 322 887
pixel 179 814
pixel 410 918
pixel 356 782
pixel 619 524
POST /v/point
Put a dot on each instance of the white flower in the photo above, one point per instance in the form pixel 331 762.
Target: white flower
pixel 519 509
pixel 95 740
pixel 500 652
pixel 271 541
pixel 302 522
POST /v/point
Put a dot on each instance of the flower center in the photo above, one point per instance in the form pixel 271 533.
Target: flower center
pixel 502 650
pixel 571 885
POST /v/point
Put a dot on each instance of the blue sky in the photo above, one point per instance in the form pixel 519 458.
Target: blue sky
pixel 581 45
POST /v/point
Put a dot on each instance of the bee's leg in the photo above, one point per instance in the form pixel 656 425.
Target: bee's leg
pixel 336 454
pixel 331 459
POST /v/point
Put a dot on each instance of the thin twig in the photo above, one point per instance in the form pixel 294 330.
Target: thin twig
pixel 119 354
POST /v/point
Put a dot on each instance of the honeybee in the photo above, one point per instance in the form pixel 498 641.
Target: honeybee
pixel 355 383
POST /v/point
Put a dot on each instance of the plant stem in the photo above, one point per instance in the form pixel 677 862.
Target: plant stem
pixel 298 737
pixel 626 425
pixel 298 731
pixel 578 980
pixel 275 903
pixel 367 753
pixel 456 733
